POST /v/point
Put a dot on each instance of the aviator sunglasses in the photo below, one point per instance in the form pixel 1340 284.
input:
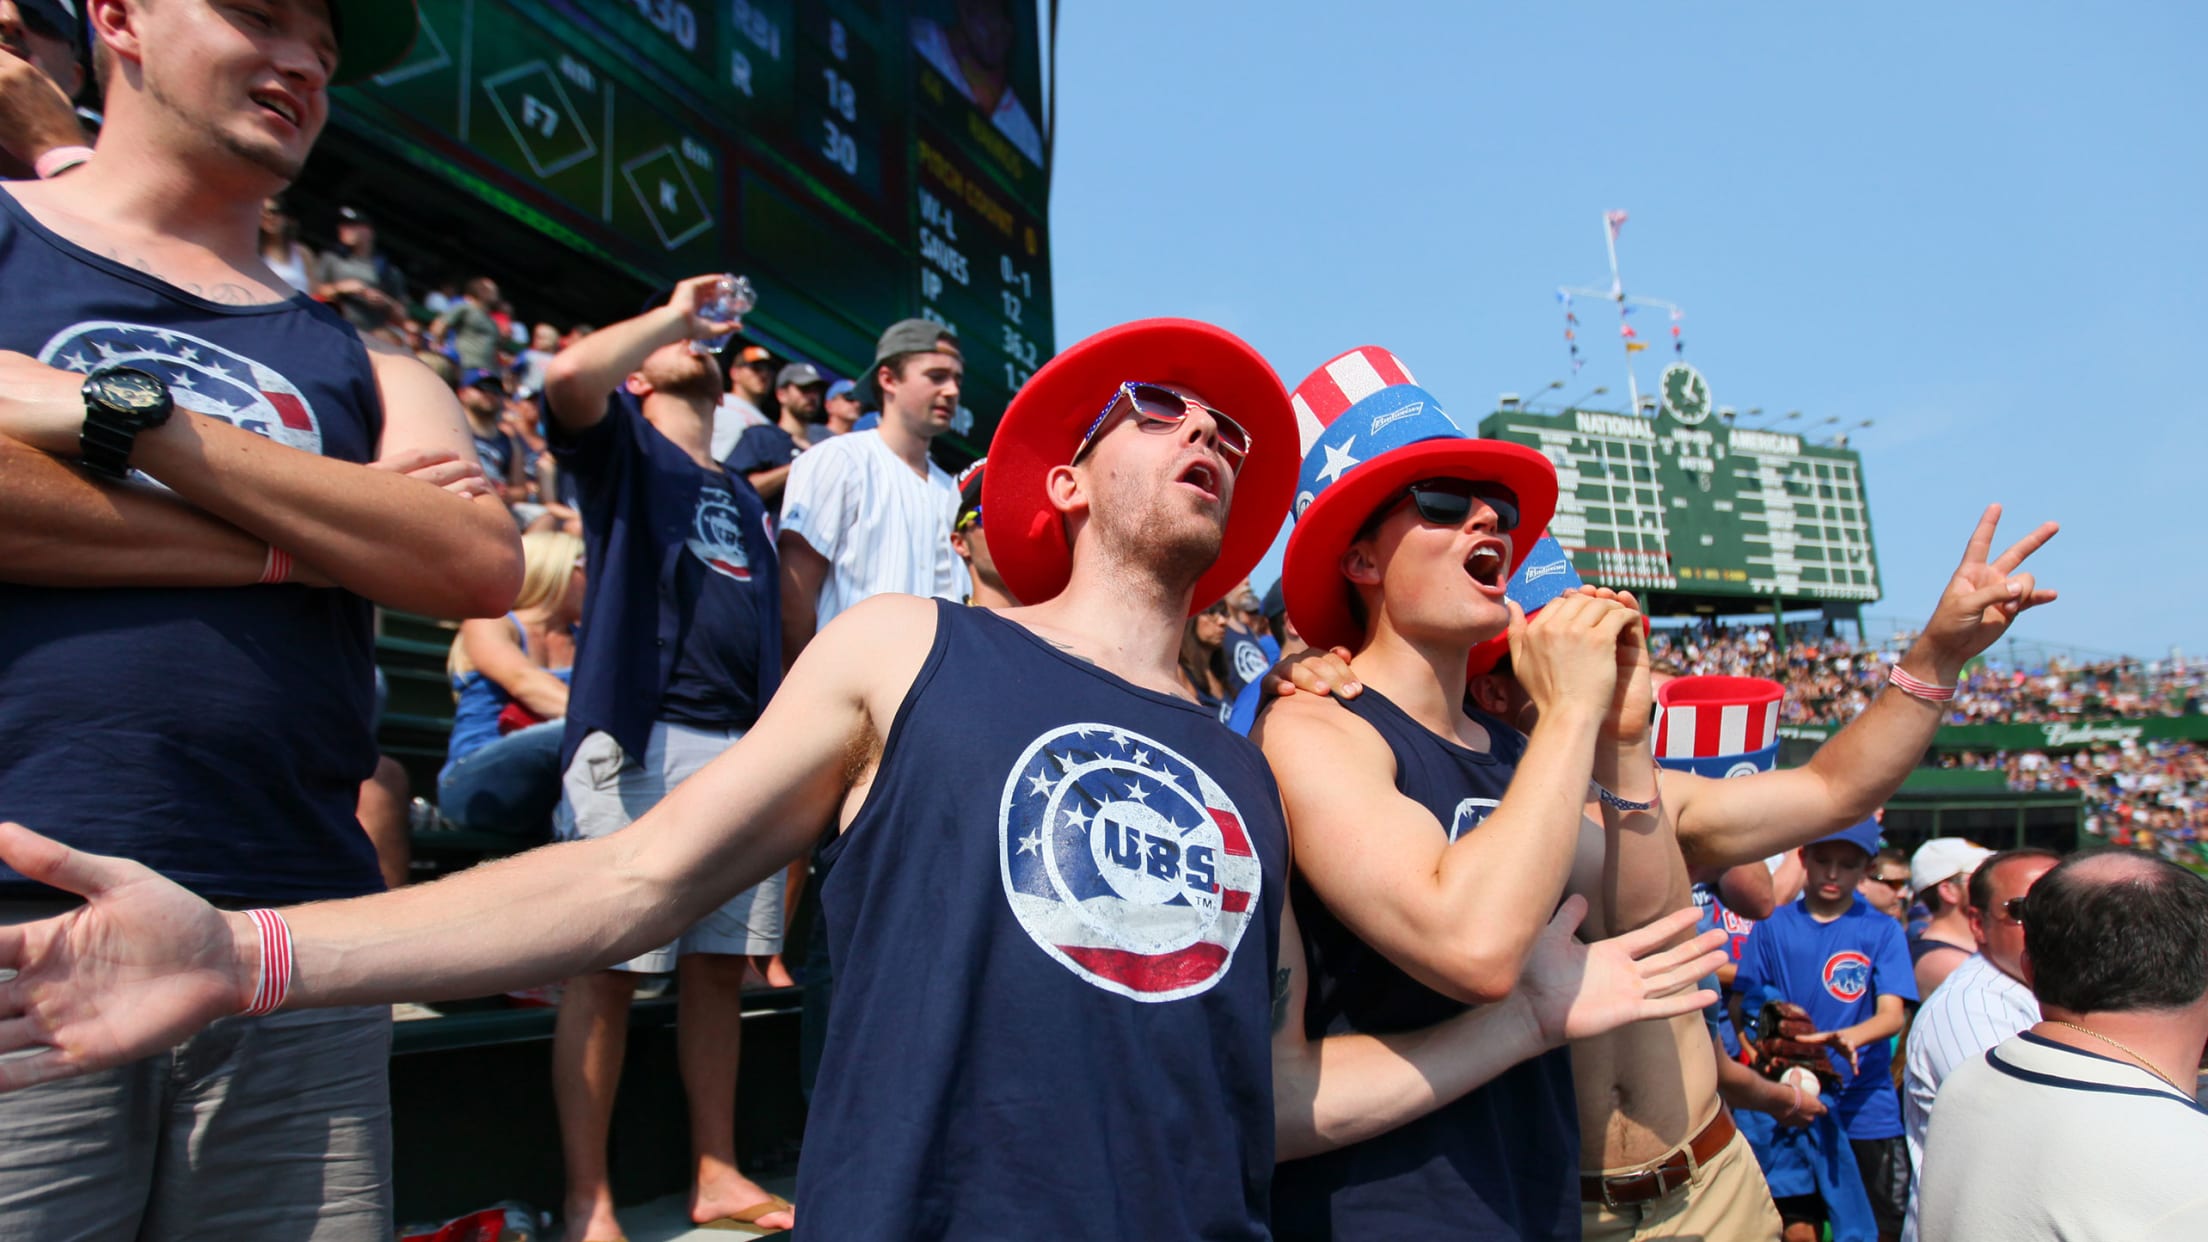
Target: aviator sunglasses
pixel 1158 408
pixel 1447 502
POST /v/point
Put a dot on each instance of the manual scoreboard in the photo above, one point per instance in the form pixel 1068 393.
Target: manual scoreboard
pixel 1682 503
pixel 860 160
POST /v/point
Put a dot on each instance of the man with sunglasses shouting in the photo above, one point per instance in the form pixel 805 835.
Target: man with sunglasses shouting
pixel 1425 871
pixel 1058 900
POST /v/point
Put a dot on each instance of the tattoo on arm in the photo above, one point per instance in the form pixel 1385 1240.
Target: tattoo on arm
pixel 1280 998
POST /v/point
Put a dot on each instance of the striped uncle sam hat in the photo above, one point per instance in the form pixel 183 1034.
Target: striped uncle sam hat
pixel 1546 574
pixel 1718 726
pixel 1369 432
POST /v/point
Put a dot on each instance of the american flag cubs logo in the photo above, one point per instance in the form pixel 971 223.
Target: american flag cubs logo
pixel 202 376
pixel 1126 863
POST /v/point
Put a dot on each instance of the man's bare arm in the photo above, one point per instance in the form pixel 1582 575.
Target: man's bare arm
pixel 58 528
pixel 1347 1088
pixel 803 572
pixel 769 483
pixel 1722 823
pixel 35 117
pixel 144 964
pixel 580 377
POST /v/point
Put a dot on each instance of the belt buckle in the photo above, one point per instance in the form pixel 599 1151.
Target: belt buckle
pixel 1615 1183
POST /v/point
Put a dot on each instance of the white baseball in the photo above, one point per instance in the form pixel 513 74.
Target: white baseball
pixel 1801 1078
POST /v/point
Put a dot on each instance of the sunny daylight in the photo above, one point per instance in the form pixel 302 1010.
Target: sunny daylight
pixel 633 620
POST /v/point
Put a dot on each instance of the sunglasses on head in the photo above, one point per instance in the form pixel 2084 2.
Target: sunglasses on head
pixel 1158 408
pixel 1448 502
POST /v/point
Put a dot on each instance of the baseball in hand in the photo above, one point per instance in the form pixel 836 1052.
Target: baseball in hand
pixel 1801 1078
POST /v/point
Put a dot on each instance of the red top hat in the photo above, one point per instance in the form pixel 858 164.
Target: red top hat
pixel 1370 432
pixel 1048 418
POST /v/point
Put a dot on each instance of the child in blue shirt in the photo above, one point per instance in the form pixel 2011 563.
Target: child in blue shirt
pixel 1847 965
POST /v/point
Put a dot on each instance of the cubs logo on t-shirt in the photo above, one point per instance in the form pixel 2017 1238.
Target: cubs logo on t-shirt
pixel 1249 660
pixel 1471 813
pixel 1125 862
pixel 202 376
pixel 717 534
pixel 1847 975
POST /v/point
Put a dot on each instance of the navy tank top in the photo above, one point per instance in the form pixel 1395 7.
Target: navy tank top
pixel 1054 924
pixel 1501 1162
pixel 218 736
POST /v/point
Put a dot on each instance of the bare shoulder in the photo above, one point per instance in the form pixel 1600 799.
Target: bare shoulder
pixel 1312 737
pixel 874 649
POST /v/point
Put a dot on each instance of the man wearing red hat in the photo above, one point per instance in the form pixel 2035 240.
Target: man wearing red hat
pixel 1668 1161
pixel 1059 887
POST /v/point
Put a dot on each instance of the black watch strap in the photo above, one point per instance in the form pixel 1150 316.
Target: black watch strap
pixel 105 447
pixel 119 403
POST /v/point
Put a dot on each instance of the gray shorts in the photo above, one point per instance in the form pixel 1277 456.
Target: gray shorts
pixel 275 1127
pixel 607 790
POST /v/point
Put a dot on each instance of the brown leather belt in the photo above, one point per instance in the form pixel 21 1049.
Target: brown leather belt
pixel 1676 1170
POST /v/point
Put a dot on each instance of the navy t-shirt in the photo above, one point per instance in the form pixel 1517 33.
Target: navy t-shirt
pixel 1246 660
pixel 643 511
pixel 715 681
pixel 1503 1160
pixel 763 447
pixel 496 452
pixel 219 736
pixel 1054 925
pixel 1837 971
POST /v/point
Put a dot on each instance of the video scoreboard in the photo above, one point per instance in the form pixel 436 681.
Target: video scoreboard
pixel 861 161
pixel 1682 503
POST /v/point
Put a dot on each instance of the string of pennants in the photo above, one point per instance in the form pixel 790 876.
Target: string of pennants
pixel 1626 331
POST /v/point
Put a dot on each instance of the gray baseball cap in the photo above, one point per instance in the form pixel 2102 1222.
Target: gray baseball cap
pixel 906 336
pixel 800 374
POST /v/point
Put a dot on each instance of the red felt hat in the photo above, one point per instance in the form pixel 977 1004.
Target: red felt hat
pixel 1055 408
pixel 1370 432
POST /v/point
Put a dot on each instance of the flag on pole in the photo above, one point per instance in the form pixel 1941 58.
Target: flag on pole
pixel 1634 347
pixel 1616 221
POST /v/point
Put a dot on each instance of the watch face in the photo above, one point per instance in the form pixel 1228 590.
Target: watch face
pixel 132 390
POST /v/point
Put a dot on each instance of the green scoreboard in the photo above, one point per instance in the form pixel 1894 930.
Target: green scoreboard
pixel 1683 503
pixel 860 160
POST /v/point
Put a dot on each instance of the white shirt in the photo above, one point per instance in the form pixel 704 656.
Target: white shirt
pixel 730 418
pixel 881 527
pixel 1973 1009
pixel 2035 1140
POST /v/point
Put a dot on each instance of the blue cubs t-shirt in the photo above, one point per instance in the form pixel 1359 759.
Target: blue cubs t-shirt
pixel 715 681
pixel 1837 971
pixel 1246 660
pixel 1054 925
pixel 216 735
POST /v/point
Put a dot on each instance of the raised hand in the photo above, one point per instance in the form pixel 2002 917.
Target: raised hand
pixel 1567 655
pixel 1312 671
pixel 1984 597
pixel 140 967
pixel 1632 701
pixel 692 296
pixel 1579 991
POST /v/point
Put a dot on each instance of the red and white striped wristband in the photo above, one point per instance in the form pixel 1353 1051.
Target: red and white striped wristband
pixel 275 985
pixel 278 568
pixel 1918 688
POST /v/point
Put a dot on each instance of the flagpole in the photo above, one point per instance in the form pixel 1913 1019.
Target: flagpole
pixel 1611 220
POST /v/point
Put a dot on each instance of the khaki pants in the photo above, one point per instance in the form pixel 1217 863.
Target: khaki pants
pixel 1726 1201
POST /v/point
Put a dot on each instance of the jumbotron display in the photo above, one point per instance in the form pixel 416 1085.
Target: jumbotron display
pixel 861 160
pixel 1683 503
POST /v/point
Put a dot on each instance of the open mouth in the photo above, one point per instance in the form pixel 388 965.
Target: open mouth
pixel 280 104
pixel 1486 566
pixel 1202 476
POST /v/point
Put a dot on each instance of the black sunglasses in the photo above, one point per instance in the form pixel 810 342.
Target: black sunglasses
pixel 2014 909
pixel 1448 502
pixel 1157 408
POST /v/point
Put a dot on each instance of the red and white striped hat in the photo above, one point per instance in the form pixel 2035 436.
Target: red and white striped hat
pixel 1712 718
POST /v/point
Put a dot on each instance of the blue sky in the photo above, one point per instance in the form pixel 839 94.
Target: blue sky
pixel 1977 225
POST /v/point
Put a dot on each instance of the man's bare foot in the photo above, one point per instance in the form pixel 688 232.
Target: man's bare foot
pixel 729 1193
pixel 590 1221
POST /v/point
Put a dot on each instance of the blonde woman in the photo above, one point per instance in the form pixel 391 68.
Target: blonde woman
pixel 509 686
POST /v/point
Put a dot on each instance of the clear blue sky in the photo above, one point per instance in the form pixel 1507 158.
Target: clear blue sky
pixel 1979 225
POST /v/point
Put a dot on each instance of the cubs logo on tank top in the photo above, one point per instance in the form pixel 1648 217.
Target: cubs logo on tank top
pixel 219 736
pixel 1054 924
pixel 1503 1160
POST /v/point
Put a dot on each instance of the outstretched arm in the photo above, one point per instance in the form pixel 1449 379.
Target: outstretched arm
pixel 1722 823
pixel 578 379
pixel 1347 1088
pixel 144 964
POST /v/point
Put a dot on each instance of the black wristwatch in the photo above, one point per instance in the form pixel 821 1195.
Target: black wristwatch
pixel 119 402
